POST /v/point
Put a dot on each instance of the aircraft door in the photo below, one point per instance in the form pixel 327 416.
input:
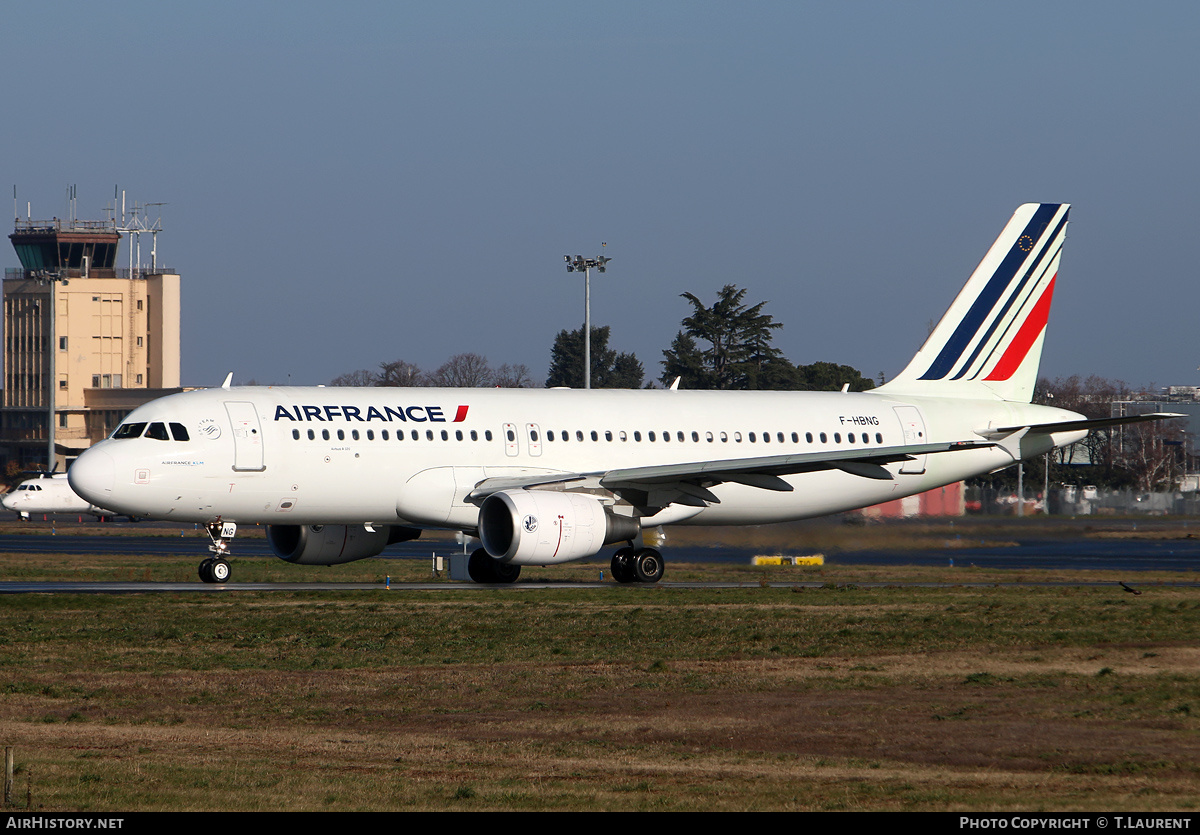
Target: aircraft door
pixel 533 436
pixel 511 444
pixel 247 437
pixel 913 426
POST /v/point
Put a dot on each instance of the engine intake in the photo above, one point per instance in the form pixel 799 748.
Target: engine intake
pixel 535 527
pixel 333 544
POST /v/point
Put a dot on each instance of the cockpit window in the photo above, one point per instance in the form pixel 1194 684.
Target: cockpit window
pixel 129 430
pixel 180 432
pixel 158 431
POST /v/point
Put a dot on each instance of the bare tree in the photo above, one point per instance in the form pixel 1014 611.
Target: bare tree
pixel 362 377
pixel 400 373
pixel 1151 452
pixel 513 377
pixel 463 371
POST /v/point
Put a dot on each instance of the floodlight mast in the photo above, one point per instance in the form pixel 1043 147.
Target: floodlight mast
pixel 584 265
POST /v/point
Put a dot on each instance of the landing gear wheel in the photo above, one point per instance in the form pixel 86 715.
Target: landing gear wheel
pixel 484 569
pixel 478 566
pixel 219 571
pixel 648 565
pixel 205 571
pixel 506 572
pixel 622 566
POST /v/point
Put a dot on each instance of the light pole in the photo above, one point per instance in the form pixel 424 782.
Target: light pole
pixel 584 265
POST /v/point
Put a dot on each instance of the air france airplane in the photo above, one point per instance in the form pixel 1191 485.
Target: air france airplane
pixel 542 477
pixel 48 494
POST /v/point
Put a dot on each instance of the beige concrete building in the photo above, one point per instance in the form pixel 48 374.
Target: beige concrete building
pixel 112 345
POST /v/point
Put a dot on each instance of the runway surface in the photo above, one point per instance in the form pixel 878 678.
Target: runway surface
pixel 1067 553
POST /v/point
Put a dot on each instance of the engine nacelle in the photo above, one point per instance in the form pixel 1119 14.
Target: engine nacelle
pixel 537 527
pixel 333 544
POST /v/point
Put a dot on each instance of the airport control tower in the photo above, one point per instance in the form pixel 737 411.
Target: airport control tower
pixel 85 340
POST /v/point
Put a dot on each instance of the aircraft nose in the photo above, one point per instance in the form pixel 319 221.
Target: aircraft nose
pixel 92 476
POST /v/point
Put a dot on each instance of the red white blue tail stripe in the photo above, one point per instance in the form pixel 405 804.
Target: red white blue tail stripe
pixel 992 333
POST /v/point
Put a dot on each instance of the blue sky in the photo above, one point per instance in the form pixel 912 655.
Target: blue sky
pixel 362 182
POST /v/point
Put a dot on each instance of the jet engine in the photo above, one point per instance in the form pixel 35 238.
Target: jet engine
pixel 333 544
pixel 534 527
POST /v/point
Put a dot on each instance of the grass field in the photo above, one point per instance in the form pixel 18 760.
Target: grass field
pixel 838 697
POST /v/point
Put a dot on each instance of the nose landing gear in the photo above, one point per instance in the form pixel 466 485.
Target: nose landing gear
pixel 215 569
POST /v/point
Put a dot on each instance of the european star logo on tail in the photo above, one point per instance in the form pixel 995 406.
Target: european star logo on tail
pixel 989 343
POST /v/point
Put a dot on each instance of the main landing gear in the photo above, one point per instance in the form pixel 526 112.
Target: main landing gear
pixel 215 569
pixel 637 565
pixel 484 569
pixel 629 565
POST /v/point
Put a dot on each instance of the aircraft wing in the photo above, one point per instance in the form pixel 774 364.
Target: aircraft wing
pixel 688 483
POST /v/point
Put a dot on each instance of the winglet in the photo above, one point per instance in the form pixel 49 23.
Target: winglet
pixel 228 380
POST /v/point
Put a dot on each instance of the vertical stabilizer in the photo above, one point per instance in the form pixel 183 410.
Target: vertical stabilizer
pixel 989 343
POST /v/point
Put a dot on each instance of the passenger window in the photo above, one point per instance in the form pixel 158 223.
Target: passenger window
pixel 295 434
pixel 354 434
pixel 158 431
pixel 487 434
pixel 679 436
pixel 824 439
pixel 179 431
pixel 595 437
pixel 312 435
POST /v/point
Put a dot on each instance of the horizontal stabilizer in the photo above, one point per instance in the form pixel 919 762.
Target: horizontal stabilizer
pixel 1076 425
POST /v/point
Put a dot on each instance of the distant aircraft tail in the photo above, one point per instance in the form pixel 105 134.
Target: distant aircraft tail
pixel 989 343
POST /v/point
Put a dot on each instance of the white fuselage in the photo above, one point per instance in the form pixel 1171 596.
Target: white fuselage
pixel 48 494
pixel 305 456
